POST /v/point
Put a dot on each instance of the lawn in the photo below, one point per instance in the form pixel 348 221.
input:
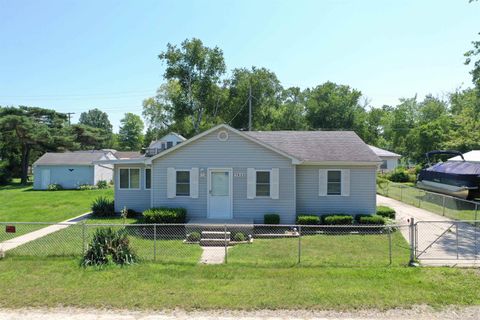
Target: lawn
pixel 53 282
pixel 22 204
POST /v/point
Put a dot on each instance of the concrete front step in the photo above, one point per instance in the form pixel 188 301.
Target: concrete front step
pixel 214 242
pixel 216 235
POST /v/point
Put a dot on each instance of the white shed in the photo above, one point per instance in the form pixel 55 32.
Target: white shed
pixel 389 159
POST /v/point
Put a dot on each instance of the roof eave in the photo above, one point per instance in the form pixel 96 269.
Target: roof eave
pixel 341 163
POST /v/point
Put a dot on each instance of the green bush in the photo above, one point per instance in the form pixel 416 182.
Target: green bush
pixel 5 173
pixel 375 219
pixel 339 219
pixel 308 219
pixel 399 175
pixel 86 187
pixel 271 218
pixel 54 187
pixel 102 184
pixel 108 246
pixel 386 212
pixel 238 237
pixel 165 215
pixel 194 236
pixel 103 207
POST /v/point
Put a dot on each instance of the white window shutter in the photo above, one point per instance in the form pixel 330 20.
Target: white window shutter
pixel 251 183
pixel 346 182
pixel 171 183
pixel 274 184
pixel 322 182
pixel 194 183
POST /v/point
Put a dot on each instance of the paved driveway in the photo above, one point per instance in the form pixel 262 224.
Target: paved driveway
pixel 440 240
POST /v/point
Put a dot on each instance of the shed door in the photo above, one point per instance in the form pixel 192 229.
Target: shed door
pixel 220 194
pixel 45 178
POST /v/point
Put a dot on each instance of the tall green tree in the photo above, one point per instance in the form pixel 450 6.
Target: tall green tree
pixel 130 136
pixel 198 70
pixel 33 129
pixel 89 138
pixel 98 119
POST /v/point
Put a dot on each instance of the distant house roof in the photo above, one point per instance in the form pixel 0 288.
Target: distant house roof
pixel 473 156
pixel 384 153
pixel 127 154
pixel 318 146
pixel 164 138
pixel 70 158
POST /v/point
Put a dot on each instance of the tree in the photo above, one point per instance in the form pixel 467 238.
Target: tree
pixel 33 129
pixel 98 119
pixel 89 138
pixel 197 70
pixel 130 136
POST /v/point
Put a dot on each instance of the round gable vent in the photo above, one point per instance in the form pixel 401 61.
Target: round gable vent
pixel 222 135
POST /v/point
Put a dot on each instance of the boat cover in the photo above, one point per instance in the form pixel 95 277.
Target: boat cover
pixel 456 167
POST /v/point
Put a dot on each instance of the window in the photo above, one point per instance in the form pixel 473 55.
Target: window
pixel 129 178
pixel 384 165
pixel 169 144
pixel 183 183
pixel 263 184
pixel 334 182
pixel 148 178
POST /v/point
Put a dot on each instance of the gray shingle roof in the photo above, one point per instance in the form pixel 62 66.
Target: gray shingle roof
pixel 384 153
pixel 128 154
pixel 69 158
pixel 318 146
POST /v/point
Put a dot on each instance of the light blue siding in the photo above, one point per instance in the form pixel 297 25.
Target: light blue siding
pixel 239 154
pixel 362 198
pixel 69 177
pixel 138 200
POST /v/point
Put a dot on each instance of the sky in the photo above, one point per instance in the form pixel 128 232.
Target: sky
pixel 73 56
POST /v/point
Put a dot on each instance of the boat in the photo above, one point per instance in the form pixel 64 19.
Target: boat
pixel 459 179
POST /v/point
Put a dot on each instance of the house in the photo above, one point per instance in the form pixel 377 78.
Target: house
pixel 226 174
pixel 165 142
pixel 471 156
pixel 72 169
pixel 389 159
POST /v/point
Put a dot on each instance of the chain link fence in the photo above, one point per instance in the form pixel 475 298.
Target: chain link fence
pixel 258 245
pixel 441 204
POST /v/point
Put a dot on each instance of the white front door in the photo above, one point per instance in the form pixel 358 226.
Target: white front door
pixel 220 193
pixel 45 178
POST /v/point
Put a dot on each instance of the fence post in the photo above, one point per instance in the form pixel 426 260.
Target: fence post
pixel 299 243
pixel 389 230
pixel 83 238
pixel 476 211
pixel 443 205
pixel 456 237
pixel 412 241
pixel 155 242
pixel 401 194
pixel 226 248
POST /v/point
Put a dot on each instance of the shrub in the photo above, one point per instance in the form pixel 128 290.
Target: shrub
pixel 86 187
pixel 271 218
pixel 103 207
pixel 337 219
pixel 375 219
pixel 308 219
pixel 54 187
pixel 399 175
pixel 5 173
pixel 108 246
pixel 238 237
pixel 102 184
pixel 165 215
pixel 386 212
pixel 194 236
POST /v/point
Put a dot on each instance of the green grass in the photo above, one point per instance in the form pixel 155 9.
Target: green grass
pixel 53 282
pixel 22 204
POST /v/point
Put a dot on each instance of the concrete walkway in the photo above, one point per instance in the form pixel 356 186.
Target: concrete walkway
pixel 440 241
pixel 213 255
pixel 34 235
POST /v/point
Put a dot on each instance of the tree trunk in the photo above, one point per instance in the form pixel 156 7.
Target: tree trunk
pixel 25 158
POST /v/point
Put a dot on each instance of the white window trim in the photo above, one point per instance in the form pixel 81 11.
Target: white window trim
pixel 145 180
pixel 189 183
pixel 341 173
pixel 269 183
pixel 129 180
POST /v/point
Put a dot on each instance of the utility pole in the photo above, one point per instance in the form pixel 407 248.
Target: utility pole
pixel 69 114
pixel 249 107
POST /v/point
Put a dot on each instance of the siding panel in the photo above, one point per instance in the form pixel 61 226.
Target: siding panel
pixel 138 200
pixel 69 177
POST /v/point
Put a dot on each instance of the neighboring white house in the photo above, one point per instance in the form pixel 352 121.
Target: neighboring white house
pixel 165 142
pixel 72 169
pixel 472 156
pixel 226 174
pixel 389 159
